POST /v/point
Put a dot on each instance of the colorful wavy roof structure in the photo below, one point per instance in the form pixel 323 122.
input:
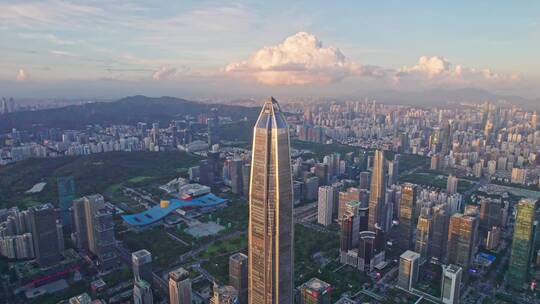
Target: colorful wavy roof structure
pixel 159 212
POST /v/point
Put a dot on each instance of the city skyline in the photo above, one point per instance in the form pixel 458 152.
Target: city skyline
pixel 235 50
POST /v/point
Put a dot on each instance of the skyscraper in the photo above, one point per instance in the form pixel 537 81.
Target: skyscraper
pixel 66 195
pixel 440 232
pixel 408 269
pixel 376 199
pixel 325 205
pixel 236 176
pixel 522 243
pixel 142 292
pixel 315 291
pixel 238 275
pixel 406 216
pixel 452 184
pixel 224 295
pixel 142 265
pixel 450 285
pixel 270 231
pixel 424 231
pixel 45 234
pixel 352 194
pixel 462 233
pixel 179 287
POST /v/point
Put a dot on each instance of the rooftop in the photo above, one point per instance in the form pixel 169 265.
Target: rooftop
pixel 410 255
pixel 317 285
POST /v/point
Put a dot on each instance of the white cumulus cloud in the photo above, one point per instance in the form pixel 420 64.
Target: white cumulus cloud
pixel 301 59
pixel 164 72
pixel 439 70
pixel 21 75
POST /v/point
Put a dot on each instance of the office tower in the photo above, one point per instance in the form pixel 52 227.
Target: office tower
pixel 142 292
pixel 350 227
pixel 446 138
pixel 522 243
pixel 311 188
pixel 236 176
pixel 105 243
pixel 424 231
pixel 60 236
pixel 363 215
pixel 179 287
pixel 352 194
pixel 66 195
pixel 376 199
pixel 534 121
pixel 393 170
pixel 490 213
pixel 213 128
pixel 142 265
pixel 452 184
pixel 79 225
pixel 440 232
pixel 214 165
pixel 238 275
pixel 325 205
pixel 406 216
pixel 370 250
pixel 155 133
pixel 270 231
pixel 92 204
pixel 246 174
pixel 364 180
pixel 224 295
pixel 44 233
pixel 315 291
pixel 408 269
pixel 450 285
pixel 493 238
pixel 462 233
pixel 434 162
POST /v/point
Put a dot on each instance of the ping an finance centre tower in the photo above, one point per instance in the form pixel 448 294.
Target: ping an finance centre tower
pixel 270 231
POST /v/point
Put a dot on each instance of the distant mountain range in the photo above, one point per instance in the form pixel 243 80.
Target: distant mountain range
pixel 437 97
pixel 129 110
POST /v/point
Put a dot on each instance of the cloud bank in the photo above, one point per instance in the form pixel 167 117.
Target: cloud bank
pixel 439 70
pixel 301 59
pixel 21 75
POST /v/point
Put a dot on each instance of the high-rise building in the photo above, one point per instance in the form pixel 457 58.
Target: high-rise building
pixel 493 238
pixel 238 275
pixel 522 243
pixel 462 233
pixel 350 226
pixel 408 269
pixel 534 121
pixel 270 231
pixel 424 232
pixel 452 184
pixel 236 176
pixel 325 205
pixel 94 229
pixel 224 295
pixel 364 180
pixel 142 265
pixel 213 128
pixel 45 235
pixel 440 231
pixel 352 194
pixel 406 217
pixel 490 213
pixel 376 199
pixel 246 174
pixel 450 285
pixel 315 291
pixel 179 287
pixel 105 243
pixel 142 292
pixel 66 195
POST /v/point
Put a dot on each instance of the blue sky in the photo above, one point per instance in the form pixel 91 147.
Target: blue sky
pixel 216 48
